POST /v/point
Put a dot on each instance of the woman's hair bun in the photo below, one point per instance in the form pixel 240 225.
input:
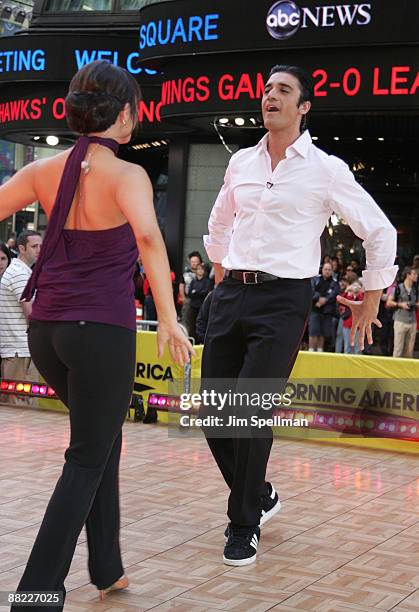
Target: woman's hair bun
pixel 92 111
pixel 98 93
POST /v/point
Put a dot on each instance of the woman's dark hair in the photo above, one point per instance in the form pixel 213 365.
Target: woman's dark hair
pixel 351 277
pixel 97 94
pixel 6 251
pixel 305 82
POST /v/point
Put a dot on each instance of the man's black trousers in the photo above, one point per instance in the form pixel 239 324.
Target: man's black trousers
pixel 254 332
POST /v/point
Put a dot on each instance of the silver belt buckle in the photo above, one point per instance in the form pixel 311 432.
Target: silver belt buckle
pixel 250 282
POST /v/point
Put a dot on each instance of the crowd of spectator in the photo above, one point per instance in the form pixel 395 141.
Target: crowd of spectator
pixel 329 323
pixel 189 292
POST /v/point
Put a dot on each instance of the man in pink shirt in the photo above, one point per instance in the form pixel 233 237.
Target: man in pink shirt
pixel 264 241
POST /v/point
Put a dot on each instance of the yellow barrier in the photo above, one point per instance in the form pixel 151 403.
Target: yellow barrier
pixel 335 365
pixel 391 389
pixel 388 379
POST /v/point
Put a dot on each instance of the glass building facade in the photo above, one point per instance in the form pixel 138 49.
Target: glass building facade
pixel 15 16
pixel 62 6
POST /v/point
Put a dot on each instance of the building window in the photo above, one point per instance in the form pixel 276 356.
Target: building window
pixel 132 5
pixel 60 6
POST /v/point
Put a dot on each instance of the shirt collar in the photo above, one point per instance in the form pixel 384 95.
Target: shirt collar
pixel 19 262
pixel 300 146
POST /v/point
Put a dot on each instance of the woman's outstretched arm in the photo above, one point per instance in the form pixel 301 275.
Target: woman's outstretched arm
pixel 135 199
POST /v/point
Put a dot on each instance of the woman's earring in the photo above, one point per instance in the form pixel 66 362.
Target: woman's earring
pixel 124 123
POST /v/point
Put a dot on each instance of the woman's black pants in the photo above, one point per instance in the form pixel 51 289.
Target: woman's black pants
pixel 91 368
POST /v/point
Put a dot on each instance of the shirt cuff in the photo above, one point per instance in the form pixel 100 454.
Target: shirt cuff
pixel 215 252
pixel 379 279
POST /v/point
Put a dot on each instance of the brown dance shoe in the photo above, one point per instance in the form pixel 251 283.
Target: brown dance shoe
pixel 120 584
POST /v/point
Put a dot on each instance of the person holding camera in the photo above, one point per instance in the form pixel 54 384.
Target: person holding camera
pixel 405 300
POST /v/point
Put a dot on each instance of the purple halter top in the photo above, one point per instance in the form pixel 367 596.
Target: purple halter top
pixel 83 274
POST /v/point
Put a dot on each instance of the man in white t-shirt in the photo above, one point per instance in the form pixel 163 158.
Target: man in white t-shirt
pixel 16 363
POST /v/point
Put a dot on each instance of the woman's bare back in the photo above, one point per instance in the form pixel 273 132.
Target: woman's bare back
pixel 94 206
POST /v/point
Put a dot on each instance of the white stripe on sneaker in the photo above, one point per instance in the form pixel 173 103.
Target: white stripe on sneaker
pixel 267 515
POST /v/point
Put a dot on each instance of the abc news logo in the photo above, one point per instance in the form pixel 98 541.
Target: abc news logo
pixel 285 18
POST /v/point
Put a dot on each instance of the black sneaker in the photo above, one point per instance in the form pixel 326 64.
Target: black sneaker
pixel 241 546
pixel 270 506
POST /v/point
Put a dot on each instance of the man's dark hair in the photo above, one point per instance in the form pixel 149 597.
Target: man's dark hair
pixel 406 271
pixel 304 79
pixel 22 239
pixel 195 254
pixel 305 82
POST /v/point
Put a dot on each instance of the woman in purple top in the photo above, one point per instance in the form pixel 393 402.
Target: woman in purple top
pixel 82 326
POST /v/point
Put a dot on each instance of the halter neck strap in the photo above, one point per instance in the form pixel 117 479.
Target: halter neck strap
pixel 62 205
pixel 105 142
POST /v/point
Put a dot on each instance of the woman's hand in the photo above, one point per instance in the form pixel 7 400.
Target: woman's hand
pixel 363 315
pixel 179 345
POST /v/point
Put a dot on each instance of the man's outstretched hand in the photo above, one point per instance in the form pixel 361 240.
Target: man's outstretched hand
pixel 218 273
pixel 364 314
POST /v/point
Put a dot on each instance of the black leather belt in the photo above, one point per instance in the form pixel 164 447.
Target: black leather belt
pixel 250 277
